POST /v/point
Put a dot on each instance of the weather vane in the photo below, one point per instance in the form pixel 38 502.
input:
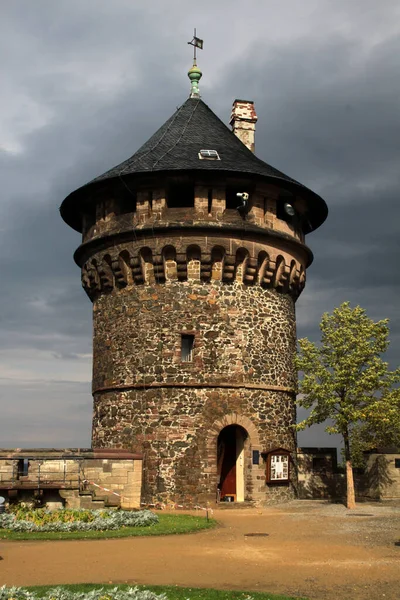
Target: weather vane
pixel 195 73
pixel 196 43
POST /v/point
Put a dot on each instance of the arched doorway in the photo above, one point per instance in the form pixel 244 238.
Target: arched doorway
pixel 230 463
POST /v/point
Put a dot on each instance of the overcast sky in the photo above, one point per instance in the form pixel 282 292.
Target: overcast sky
pixel 85 82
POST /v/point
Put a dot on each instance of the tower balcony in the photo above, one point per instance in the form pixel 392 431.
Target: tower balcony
pixel 180 202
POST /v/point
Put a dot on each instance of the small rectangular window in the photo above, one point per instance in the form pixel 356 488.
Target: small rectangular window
pixel 397 463
pixel 187 345
pixel 210 195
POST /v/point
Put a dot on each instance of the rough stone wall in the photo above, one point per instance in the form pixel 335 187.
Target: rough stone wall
pixel 147 398
pixel 242 335
pixel 172 428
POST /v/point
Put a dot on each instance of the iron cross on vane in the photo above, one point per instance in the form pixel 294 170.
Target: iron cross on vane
pixel 196 43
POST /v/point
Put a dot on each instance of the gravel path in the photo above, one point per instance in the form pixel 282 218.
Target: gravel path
pixel 313 549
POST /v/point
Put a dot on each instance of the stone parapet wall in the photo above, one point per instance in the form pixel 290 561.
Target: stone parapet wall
pixel 73 473
pixel 112 213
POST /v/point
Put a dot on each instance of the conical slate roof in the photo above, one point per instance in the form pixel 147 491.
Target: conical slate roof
pixel 176 146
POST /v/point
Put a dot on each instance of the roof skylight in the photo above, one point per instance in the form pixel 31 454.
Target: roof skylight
pixel 209 155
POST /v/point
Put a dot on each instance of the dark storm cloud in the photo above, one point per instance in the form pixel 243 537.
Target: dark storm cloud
pixel 87 83
pixel 328 116
pixel 73 135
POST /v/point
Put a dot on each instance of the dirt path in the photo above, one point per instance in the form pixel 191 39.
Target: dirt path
pixel 313 549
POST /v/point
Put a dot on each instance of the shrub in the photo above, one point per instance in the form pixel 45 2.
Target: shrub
pixel 26 519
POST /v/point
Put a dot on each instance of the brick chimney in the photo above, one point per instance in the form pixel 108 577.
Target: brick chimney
pixel 243 122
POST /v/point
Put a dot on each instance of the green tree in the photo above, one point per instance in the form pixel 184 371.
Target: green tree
pixel 381 426
pixel 345 380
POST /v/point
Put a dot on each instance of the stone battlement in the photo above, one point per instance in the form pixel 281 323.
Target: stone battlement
pixel 221 260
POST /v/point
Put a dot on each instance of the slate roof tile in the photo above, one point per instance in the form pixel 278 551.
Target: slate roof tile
pixel 176 145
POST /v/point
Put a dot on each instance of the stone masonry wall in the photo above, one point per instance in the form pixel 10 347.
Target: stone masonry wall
pixel 173 429
pixel 242 335
pixel 147 399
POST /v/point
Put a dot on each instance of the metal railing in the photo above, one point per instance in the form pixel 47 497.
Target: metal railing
pixel 34 477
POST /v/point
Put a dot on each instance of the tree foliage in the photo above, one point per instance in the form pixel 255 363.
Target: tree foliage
pixel 346 381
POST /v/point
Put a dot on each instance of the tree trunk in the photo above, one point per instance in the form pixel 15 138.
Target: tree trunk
pixel 351 497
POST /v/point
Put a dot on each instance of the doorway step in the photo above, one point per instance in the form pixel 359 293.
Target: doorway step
pixel 236 505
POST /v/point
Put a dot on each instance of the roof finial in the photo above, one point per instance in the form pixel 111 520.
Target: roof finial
pixel 194 73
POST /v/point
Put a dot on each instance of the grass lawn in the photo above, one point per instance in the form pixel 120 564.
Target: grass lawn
pixel 169 524
pixel 177 593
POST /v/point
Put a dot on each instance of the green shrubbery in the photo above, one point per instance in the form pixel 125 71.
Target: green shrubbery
pixel 26 519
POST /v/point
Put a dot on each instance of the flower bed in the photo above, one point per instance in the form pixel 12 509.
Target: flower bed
pixel 22 519
pixel 92 592
pixel 59 593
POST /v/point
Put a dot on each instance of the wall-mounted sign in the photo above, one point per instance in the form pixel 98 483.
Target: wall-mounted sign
pixel 278 465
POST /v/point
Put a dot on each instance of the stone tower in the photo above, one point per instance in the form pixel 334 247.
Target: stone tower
pixel 193 255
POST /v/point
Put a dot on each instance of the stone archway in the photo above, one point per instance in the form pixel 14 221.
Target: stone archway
pixel 239 433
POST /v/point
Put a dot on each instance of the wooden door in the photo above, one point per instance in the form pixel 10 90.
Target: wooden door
pixel 228 467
